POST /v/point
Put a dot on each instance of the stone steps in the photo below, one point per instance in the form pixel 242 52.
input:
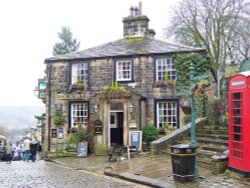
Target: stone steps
pixel 207 140
pixel 214 136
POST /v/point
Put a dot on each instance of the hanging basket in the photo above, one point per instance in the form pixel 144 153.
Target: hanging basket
pixel 186 110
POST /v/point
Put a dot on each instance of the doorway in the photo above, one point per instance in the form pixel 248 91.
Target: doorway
pixel 116 124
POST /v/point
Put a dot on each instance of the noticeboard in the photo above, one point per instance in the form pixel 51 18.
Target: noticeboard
pixel 135 139
pixel 82 149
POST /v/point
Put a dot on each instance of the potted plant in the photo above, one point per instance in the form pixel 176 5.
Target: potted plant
pixel 149 134
pixel 58 118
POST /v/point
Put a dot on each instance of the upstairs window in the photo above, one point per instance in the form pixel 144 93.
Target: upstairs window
pixel 79 114
pixel 164 65
pixel 124 70
pixel 79 73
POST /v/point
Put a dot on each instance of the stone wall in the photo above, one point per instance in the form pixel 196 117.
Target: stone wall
pixel 101 73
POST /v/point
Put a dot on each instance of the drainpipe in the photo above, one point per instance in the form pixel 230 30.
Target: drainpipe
pixel 49 104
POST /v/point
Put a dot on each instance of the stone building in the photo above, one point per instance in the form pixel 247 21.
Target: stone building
pixel 79 84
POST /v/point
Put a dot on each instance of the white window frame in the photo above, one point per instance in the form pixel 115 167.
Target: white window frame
pixel 79 71
pixel 163 65
pixel 124 70
pixel 79 114
pixel 167 110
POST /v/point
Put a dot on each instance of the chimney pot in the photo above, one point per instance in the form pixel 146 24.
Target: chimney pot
pixel 131 11
pixel 136 11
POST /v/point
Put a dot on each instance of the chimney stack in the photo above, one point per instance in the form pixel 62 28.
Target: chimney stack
pixel 136 24
pixel 140 8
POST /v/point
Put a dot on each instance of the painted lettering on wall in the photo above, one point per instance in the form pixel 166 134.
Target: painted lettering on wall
pixel 72 96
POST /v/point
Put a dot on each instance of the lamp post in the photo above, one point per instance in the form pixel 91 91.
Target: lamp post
pixel 193 114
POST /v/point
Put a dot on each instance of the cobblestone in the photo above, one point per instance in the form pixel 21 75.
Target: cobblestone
pixel 41 174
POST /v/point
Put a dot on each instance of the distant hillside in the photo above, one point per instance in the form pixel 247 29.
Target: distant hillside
pixel 19 117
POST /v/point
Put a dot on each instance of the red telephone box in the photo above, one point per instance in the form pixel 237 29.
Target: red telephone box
pixel 239 123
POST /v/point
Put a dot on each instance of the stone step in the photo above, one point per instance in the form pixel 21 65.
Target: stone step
pixel 216 132
pixel 216 136
pixel 205 154
pixel 205 140
pixel 215 148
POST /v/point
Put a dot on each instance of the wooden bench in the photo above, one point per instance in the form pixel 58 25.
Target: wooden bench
pixel 118 151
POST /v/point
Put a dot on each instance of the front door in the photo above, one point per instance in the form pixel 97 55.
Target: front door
pixel 116 125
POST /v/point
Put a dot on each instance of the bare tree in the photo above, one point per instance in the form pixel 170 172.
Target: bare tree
pixel 214 24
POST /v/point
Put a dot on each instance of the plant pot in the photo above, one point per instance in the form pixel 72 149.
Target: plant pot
pixel 74 129
pixel 186 109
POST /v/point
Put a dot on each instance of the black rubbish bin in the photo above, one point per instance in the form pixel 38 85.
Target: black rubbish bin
pixel 183 162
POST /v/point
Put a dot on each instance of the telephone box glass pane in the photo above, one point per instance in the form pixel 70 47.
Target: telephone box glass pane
pixel 237 129
pixel 237 104
pixel 237 112
pixel 237 96
pixel 237 121
pixel 237 137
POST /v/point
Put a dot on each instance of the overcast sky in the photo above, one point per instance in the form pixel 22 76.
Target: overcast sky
pixel 29 30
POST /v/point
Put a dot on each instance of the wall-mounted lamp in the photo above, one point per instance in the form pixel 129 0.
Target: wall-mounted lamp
pixel 131 108
pixel 96 108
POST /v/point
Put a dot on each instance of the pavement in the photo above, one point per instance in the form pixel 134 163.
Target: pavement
pixel 149 170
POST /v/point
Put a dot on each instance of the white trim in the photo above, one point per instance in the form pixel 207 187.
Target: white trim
pixel 118 71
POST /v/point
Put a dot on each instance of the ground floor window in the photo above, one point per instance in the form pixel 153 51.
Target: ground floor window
pixel 79 114
pixel 53 133
pixel 166 112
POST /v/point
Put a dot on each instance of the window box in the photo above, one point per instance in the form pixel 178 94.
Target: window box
pixel 82 86
pixel 74 129
pixel 165 83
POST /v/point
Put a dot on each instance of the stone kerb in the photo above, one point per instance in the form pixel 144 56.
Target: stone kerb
pixel 162 143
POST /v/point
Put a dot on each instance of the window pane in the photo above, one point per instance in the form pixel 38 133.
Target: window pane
pixel 164 65
pixel 123 69
pixel 166 111
pixel 79 73
pixel 79 114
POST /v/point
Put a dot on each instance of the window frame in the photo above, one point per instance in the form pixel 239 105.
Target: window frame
pixel 131 70
pixel 72 72
pixel 53 133
pixel 71 103
pixel 157 101
pixel 170 70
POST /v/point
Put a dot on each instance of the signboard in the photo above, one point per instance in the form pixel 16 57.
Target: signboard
pixel 238 83
pixel 41 85
pixel 41 95
pixel 82 149
pixel 135 139
pixel 72 96
pixel 60 133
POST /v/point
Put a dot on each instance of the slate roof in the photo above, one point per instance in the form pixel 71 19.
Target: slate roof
pixel 127 47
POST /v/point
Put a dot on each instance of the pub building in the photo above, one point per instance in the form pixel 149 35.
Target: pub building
pixel 79 84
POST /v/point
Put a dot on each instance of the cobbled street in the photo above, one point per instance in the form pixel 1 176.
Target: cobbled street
pixel 43 174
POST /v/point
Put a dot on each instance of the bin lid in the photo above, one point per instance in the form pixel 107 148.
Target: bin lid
pixel 183 146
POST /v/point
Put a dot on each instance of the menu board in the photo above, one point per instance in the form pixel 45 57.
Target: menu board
pixel 82 149
pixel 135 139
